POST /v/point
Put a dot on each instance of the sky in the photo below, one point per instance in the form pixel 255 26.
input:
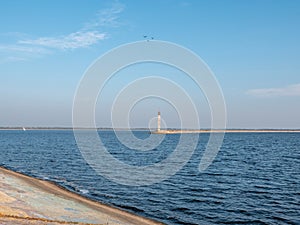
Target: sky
pixel 252 47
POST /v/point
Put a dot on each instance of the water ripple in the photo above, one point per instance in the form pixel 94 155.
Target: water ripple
pixel 255 178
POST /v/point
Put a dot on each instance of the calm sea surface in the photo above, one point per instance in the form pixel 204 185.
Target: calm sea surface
pixel 255 178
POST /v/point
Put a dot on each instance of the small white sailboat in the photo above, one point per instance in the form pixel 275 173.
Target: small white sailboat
pixel 24 129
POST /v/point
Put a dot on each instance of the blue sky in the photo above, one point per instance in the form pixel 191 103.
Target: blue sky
pixel 251 46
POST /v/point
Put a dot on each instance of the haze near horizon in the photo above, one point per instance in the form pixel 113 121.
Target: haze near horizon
pixel 251 47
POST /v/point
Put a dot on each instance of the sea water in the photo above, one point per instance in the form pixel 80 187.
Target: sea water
pixel 255 178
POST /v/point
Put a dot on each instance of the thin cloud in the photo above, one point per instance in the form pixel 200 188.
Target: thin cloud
pixel 291 90
pixel 107 17
pixel 17 53
pixel 75 40
pixel 25 47
pixel 11 59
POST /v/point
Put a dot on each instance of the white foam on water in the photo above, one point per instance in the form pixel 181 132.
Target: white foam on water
pixel 83 191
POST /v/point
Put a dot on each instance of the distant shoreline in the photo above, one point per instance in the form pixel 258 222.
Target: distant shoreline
pixel 168 131
pixel 227 131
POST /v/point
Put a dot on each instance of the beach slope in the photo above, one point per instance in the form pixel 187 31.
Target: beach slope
pixel 27 200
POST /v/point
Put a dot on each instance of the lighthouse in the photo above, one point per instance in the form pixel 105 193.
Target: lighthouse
pixel 158 121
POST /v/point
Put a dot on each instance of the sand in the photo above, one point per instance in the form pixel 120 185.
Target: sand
pixel 27 200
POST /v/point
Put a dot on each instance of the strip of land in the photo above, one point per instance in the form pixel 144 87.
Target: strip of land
pixel 27 200
pixel 162 131
pixel 225 131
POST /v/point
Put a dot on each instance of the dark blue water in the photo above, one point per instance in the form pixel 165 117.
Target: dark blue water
pixel 255 178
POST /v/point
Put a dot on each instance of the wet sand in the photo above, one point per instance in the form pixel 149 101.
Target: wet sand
pixel 27 200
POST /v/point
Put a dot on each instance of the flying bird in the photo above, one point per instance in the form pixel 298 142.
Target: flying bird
pixel 148 39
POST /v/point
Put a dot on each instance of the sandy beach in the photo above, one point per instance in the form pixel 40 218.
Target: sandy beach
pixel 27 200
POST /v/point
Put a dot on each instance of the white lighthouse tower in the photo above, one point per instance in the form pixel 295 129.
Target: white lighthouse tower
pixel 158 121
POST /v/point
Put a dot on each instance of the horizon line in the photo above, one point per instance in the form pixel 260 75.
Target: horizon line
pixel 136 128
